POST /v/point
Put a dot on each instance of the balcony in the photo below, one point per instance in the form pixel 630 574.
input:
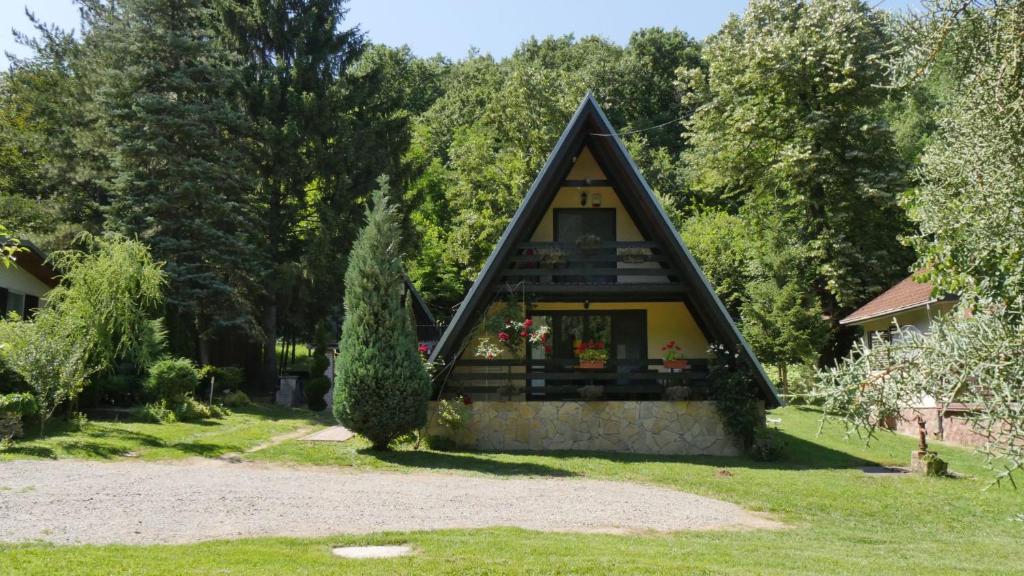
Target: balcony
pixel 556 379
pixel 566 269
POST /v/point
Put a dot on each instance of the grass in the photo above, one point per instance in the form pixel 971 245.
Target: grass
pixel 239 431
pixel 841 520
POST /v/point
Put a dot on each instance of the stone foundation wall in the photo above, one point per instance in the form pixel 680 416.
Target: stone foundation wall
pixel 638 427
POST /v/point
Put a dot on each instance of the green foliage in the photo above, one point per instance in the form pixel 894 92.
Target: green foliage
pixel 236 399
pixel 315 388
pixel 971 229
pixel 733 391
pixel 723 245
pixel 182 170
pixel 157 413
pixel 114 289
pixel 976 359
pixel 51 354
pixel 452 414
pixel 172 379
pixel 222 377
pixel 381 388
pixel 790 138
pixel 19 403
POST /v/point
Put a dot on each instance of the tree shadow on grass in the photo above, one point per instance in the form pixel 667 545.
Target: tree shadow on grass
pixel 798 454
pixel 464 461
pixel 32 451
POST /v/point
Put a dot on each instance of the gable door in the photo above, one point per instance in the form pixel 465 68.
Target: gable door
pixel 573 223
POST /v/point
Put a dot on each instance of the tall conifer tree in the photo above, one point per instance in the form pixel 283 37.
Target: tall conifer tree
pixel 381 388
pixel 166 97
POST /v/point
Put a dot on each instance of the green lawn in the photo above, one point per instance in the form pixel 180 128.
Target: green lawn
pixel 241 430
pixel 841 520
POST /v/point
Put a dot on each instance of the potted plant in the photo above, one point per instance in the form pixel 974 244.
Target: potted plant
pixel 592 354
pixel 635 254
pixel 672 357
pixel 552 257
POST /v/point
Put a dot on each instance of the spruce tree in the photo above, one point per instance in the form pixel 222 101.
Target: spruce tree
pixel 381 386
pixel 166 96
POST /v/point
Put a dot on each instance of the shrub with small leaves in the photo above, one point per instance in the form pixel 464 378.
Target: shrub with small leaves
pixel 315 388
pixel 236 399
pixel 158 413
pixel 171 380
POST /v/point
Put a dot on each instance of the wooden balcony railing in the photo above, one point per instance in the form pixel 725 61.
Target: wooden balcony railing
pixel 599 268
pixel 561 379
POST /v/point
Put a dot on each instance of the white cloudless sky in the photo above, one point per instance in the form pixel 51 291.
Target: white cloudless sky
pixel 451 27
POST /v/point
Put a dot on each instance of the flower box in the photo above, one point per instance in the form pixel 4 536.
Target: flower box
pixel 592 364
pixel 676 364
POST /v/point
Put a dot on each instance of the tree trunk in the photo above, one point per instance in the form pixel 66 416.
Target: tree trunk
pixel 269 372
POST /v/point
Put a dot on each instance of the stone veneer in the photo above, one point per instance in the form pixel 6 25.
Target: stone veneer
pixel 648 427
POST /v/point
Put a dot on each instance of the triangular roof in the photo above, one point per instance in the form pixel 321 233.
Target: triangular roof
pixel 590 127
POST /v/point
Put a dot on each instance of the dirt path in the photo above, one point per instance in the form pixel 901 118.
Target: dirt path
pixel 73 501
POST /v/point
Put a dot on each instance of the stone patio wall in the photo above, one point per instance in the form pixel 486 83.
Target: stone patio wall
pixel 648 427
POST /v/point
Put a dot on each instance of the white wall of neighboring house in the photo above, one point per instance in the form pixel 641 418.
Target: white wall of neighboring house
pixel 19 283
pixel 917 319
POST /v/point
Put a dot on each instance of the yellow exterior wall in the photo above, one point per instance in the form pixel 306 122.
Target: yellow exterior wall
pixel 586 167
pixel 666 321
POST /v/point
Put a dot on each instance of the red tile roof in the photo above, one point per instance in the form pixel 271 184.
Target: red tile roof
pixel 905 295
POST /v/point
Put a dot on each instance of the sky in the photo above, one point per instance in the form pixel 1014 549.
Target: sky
pixel 452 27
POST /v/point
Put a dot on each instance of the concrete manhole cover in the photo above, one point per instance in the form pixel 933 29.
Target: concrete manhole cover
pixel 372 551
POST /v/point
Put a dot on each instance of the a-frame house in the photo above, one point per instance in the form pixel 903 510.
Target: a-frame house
pixel 589 266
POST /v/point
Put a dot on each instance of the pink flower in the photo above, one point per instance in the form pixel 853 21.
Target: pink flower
pixel 503 336
pixel 524 334
pixel 527 323
pixel 424 349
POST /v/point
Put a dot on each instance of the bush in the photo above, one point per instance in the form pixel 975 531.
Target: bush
pixel 50 354
pixel 319 365
pixel 158 413
pixel 119 389
pixel 236 399
pixel 315 389
pixel 11 381
pixel 223 377
pixel 13 408
pixel 191 409
pixel 172 380
pixel 381 386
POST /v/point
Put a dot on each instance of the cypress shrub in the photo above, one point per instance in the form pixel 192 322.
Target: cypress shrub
pixel 381 387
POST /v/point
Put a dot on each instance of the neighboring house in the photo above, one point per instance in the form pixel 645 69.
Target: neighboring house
pixel 591 257
pixel 911 305
pixel 24 285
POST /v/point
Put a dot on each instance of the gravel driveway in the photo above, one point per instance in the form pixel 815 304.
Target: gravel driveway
pixel 72 502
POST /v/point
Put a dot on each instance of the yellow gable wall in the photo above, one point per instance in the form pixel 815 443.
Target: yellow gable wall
pixel 586 167
pixel 666 321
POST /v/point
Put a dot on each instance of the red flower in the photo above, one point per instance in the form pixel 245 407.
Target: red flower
pixel 503 336
pixel 527 323
pixel 600 345
pixel 524 334
pixel 424 349
pixel 467 400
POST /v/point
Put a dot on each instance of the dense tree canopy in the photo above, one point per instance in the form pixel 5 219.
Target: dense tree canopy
pixel 241 139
